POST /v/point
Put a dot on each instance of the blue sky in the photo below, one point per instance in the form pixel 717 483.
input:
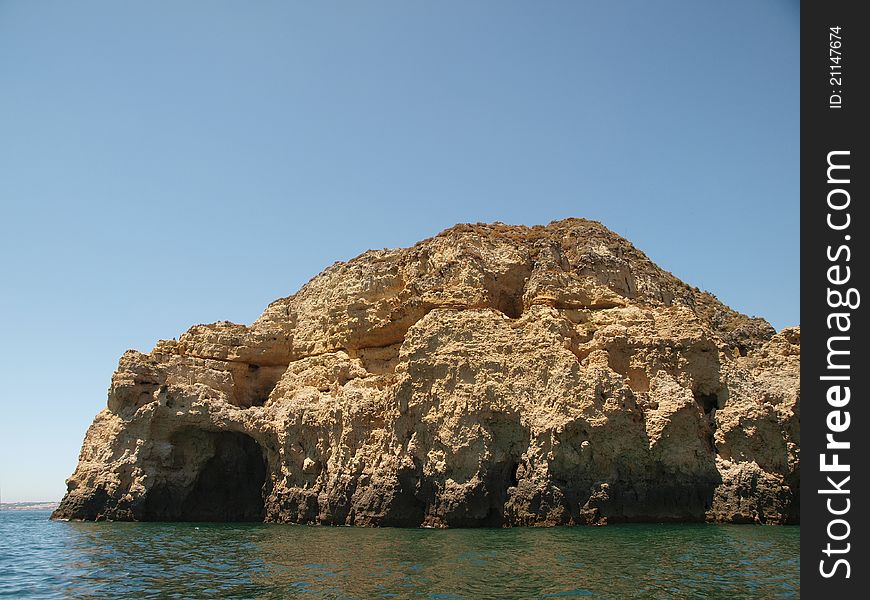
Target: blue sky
pixel 170 163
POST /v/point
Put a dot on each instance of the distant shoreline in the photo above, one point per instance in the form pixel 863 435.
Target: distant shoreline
pixel 28 505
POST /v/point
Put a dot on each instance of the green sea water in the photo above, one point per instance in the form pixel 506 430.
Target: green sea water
pixel 41 558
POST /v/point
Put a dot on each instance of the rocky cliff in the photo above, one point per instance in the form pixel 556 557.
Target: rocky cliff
pixel 490 376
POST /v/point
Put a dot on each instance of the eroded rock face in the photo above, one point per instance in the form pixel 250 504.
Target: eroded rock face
pixel 489 376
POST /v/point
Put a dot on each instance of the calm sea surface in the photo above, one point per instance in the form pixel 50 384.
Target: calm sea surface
pixel 40 558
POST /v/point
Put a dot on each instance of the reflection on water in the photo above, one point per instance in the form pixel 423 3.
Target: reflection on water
pixel 167 560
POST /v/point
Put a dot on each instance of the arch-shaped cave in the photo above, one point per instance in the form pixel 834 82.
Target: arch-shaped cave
pixel 228 479
pixel 230 485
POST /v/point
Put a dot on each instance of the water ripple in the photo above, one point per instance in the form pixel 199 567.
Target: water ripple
pixel 44 559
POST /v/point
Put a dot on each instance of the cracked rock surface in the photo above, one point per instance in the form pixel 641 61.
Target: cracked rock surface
pixel 492 375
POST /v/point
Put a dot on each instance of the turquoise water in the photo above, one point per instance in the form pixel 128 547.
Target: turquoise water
pixel 41 558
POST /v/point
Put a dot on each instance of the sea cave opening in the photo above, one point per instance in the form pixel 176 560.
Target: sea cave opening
pixel 230 485
pixel 228 479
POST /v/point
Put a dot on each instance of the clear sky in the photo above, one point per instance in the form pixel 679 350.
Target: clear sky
pixel 170 163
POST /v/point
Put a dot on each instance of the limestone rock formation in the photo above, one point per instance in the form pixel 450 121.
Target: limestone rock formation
pixel 493 375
